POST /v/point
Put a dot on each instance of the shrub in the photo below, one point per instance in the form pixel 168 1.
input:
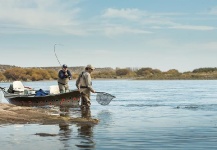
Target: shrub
pixel 2 77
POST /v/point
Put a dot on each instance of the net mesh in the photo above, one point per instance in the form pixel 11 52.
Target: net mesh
pixel 104 98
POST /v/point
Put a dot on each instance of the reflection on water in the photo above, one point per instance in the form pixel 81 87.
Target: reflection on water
pixel 65 134
pixel 70 136
pixel 105 117
pixel 85 130
pixel 204 107
pixel 64 111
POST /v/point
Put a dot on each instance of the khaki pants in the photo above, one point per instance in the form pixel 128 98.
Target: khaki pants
pixel 85 113
pixel 63 88
pixel 85 100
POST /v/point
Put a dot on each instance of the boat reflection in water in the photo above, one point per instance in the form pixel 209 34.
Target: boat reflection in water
pixel 84 130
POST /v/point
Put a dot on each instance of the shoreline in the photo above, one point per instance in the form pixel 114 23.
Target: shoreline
pixel 12 114
pixel 101 79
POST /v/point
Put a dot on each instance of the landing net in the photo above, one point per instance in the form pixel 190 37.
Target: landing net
pixel 104 98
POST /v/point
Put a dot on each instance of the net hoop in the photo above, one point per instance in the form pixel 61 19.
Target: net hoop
pixel 104 98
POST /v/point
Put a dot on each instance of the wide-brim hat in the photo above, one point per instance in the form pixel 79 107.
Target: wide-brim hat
pixel 90 66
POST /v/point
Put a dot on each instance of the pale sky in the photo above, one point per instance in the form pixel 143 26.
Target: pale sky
pixel 161 34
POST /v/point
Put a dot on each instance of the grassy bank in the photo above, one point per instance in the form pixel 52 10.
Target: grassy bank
pixel 37 74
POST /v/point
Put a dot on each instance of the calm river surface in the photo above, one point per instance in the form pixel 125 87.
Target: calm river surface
pixel 163 115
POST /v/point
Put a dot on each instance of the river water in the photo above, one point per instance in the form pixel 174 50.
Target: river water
pixel 144 115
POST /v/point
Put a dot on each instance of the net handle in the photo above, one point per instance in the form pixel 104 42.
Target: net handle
pixel 100 92
pixel 106 93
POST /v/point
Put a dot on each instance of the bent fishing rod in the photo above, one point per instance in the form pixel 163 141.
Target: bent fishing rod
pixel 55 52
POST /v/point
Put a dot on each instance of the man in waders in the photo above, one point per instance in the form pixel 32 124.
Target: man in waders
pixel 64 76
pixel 84 84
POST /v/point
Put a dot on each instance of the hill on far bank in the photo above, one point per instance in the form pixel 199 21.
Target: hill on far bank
pixel 76 69
pixel 11 73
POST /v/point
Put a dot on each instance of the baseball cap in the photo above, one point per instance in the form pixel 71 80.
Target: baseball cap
pixel 65 66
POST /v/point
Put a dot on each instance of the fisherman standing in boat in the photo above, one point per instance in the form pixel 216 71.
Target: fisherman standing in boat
pixel 64 76
pixel 84 84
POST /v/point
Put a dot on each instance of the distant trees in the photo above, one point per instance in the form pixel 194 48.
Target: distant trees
pixel 104 74
pixel 204 70
pixel 147 72
pixel 172 71
pixel 122 72
pixel 36 74
pixel 172 74
pixel 53 74
pixel 126 72
pixel 16 73
pixel 29 74
pixel 2 77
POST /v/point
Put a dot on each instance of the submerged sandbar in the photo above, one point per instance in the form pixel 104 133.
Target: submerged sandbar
pixel 12 114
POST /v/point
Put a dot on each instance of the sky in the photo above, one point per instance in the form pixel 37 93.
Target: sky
pixel 160 34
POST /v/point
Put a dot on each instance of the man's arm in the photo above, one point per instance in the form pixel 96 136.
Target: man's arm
pixel 89 83
pixel 63 74
pixel 69 74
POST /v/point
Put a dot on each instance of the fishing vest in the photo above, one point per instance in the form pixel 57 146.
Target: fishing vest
pixel 63 81
pixel 82 82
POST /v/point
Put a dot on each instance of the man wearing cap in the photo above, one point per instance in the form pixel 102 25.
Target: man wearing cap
pixel 64 76
pixel 84 84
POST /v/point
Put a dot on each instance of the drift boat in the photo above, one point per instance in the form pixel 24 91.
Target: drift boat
pixel 19 95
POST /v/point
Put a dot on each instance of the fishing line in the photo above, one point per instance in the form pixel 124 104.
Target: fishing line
pixel 56 54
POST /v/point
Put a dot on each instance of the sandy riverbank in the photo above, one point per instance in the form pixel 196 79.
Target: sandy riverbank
pixel 12 114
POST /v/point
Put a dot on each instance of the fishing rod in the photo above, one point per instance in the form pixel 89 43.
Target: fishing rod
pixel 55 52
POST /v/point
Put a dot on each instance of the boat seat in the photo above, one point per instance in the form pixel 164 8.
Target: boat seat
pixel 18 86
pixel 54 89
